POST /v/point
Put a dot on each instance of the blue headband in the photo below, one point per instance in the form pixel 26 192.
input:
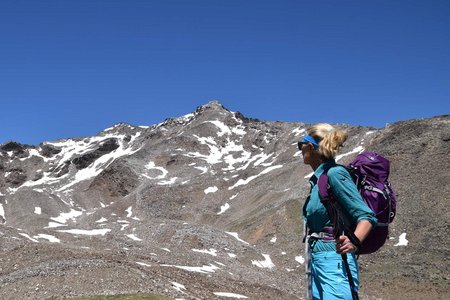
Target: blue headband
pixel 310 139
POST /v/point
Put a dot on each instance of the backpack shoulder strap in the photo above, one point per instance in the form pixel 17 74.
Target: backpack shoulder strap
pixel 324 187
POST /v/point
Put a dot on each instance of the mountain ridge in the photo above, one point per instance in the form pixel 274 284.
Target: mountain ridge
pixel 210 200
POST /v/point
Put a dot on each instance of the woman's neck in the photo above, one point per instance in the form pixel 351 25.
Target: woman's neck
pixel 316 163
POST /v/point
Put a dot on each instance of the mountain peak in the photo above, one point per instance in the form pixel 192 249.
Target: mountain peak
pixel 213 105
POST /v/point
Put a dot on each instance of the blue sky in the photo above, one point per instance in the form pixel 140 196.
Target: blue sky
pixel 74 68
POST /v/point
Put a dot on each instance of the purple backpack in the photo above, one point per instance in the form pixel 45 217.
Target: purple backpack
pixel 370 172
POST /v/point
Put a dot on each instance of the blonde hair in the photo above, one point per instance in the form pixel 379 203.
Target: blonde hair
pixel 329 138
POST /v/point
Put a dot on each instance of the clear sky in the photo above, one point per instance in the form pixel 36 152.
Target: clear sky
pixel 74 68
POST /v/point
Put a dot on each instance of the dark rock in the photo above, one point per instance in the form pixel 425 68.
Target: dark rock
pixel 16 177
pixel 49 150
pixel 12 146
pixel 445 136
pixel 61 170
pixel 108 146
pixel 244 119
pixel 19 150
pixel 85 160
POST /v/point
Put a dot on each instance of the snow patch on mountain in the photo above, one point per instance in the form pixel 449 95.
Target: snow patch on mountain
pixel 236 236
pixel 151 166
pixel 35 152
pixel 402 241
pixel 168 182
pixel 212 252
pixel 358 149
pixel 54 225
pixel 71 149
pixel 28 237
pixel 129 211
pixel 2 211
pixel 134 237
pixel 300 259
pixel 103 162
pixel 246 181
pixel 226 130
pixel 143 264
pixel 298 131
pixel 218 154
pixel 101 220
pixel 211 189
pixel 211 268
pixel 178 286
pixel 223 208
pixel 266 263
pixel 230 295
pixel 86 232
pixel 50 238
pixel 203 169
pixel 64 217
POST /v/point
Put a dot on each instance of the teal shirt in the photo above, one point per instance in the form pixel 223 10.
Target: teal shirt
pixel 347 194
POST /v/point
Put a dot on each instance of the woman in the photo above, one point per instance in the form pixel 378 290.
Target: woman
pixel 328 278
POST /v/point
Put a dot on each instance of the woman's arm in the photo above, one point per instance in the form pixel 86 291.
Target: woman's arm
pixel 343 244
pixel 348 196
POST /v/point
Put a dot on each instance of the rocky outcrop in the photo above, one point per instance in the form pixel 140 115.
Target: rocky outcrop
pixel 105 147
pixel 49 150
pixel 18 150
pixel 15 177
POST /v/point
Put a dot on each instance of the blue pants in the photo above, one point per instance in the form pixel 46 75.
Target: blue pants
pixel 329 278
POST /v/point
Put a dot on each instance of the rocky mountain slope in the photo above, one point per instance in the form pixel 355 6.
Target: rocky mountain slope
pixel 207 206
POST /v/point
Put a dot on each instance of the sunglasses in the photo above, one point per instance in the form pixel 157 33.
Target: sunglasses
pixel 300 144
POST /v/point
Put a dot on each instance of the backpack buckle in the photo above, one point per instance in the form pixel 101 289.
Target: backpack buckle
pixel 368 187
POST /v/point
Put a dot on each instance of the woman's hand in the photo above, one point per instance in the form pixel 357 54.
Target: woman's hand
pixel 343 245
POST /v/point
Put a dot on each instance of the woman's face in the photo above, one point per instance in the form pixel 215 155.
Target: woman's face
pixel 307 149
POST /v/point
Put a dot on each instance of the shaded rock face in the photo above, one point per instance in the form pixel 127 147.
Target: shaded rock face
pixel 12 146
pixel 62 169
pixel 49 151
pixel 210 201
pixel 16 148
pixel 16 177
pixel 85 160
